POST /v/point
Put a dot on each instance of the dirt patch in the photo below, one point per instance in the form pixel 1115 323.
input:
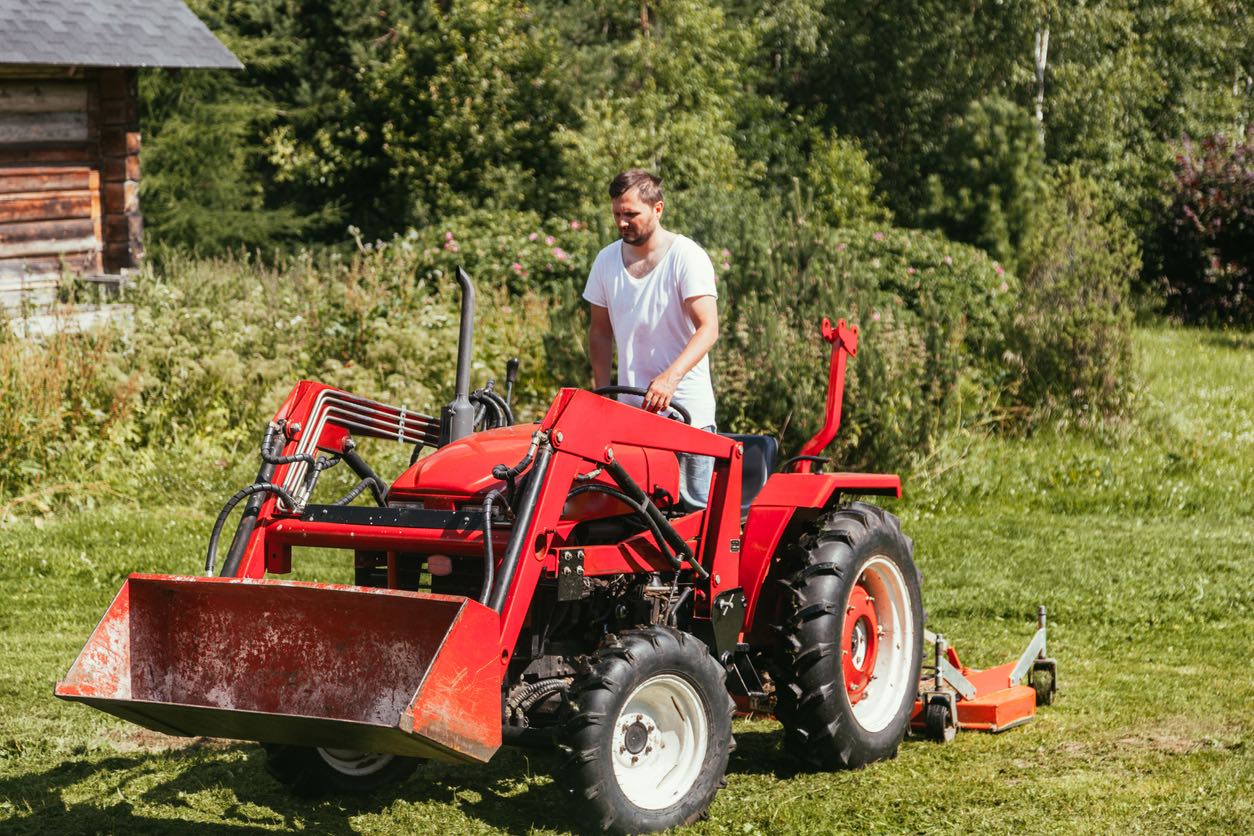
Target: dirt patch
pixel 1169 743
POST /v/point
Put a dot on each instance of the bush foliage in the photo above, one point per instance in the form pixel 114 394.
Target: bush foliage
pixel 1208 245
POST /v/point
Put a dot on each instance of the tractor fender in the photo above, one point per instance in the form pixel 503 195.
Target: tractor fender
pixel 787 503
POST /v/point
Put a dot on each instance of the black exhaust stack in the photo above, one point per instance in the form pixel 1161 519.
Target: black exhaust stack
pixel 457 420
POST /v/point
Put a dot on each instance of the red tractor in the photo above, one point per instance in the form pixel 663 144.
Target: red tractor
pixel 543 584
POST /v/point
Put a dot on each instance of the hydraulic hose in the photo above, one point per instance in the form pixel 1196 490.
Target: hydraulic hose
pixel 368 477
pixel 663 546
pixel 629 486
pixel 489 559
pixel 526 509
pixel 211 555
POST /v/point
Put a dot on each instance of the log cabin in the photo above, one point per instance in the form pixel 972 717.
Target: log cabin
pixel 69 133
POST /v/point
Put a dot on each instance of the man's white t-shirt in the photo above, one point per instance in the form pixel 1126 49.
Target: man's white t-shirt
pixel 647 315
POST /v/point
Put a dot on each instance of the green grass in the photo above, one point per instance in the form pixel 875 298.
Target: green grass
pixel 1139 540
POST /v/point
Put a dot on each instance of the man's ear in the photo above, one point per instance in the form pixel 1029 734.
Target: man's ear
pixel 658 207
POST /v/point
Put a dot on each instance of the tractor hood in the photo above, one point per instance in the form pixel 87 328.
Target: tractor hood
pixel 462 471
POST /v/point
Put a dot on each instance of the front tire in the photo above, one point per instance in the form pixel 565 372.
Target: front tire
pixel 314 771
pixel 852 641
pixel 649 732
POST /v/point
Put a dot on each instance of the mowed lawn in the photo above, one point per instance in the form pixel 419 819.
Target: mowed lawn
pixel 1140 541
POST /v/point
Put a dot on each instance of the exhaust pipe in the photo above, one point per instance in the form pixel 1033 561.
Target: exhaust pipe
pixel 457 420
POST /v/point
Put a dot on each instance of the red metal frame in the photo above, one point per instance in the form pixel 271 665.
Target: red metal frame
pixel 584 431
pixel 844 342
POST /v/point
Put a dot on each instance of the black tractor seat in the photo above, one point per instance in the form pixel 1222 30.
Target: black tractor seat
pixel 761 451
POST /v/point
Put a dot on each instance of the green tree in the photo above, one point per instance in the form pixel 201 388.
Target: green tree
pixel 990 182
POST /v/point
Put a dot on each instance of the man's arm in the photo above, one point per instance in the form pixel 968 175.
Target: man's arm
pixel 600 346
pixel 703 312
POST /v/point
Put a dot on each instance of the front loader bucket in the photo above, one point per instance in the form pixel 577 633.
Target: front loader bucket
pixel 344 667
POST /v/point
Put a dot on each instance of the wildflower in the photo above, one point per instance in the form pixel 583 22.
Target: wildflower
pixel 875 315
pixel 726 253
pixel 1003 287
pixel 533 236
pixel 726 265
pixel 1000 270
pixel 949 260
pixel 448 236
pixel 910 271
pixel 548 240
pixel 517 268
pixel 452 246
pixel 576 225
pixel 879 236
pixel 840 248
pixel 559 254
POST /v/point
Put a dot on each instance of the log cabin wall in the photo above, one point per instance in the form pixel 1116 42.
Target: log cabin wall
pixel 69 177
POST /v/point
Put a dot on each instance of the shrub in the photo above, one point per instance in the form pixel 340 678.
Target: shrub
pixel 1072 336
pixel 1208 245
pixel 990 184
pixel 930 314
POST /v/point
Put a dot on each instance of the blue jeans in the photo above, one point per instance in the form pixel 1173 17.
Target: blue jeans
pixel 695 473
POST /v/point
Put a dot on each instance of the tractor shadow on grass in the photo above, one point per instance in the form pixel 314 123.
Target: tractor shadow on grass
pixel 760 751
pixel 212 790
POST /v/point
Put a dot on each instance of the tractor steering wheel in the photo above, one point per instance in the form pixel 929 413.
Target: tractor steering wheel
pixel 681 414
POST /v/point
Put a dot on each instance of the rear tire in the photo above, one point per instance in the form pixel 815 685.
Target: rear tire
pixel 315 771
pixel 649 732
pixel 852 641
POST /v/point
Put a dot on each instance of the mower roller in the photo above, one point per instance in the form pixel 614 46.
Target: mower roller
pixel 543 584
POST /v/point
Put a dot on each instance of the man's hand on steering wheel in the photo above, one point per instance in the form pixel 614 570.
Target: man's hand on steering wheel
pixel 660 392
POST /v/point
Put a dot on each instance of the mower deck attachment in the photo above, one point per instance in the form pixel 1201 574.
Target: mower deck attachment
pixel 300 663
pixel 953 697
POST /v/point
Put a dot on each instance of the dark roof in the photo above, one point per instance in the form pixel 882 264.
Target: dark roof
pixel 108 33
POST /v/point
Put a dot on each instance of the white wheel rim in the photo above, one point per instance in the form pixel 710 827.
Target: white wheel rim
pixel 659 742
pixel 892 679
pixel 354 763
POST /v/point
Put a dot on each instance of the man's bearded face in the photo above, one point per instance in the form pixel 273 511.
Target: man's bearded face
pixel 636 220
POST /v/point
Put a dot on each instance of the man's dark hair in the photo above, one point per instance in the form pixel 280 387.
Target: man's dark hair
pixel 650 185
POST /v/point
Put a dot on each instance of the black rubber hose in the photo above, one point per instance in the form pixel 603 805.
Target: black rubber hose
pixel 819 460
pixel 211 556
pixel 629 486
pixel 526 510
pixel 507 414
pixel 663 546
pixel 267 445
pixel 674 610
pixel 489 558
pixel 529 695
pixel 367 474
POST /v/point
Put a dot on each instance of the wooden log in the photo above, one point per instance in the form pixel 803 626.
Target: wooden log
pixel 47 230
pixel 30 155
pixel 121 257
pixel 120 198
pixel 62 126
pixel 45 206
pixel 31 268
pixel 27 72
pixel 115 142
pixel 45 179
pixel 42 96
pixel 26 249
pixel 123 112
pixel 117 169
pixel 122 228
pixel 117 84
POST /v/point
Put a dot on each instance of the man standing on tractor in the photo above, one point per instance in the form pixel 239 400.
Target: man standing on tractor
pixel 653 296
